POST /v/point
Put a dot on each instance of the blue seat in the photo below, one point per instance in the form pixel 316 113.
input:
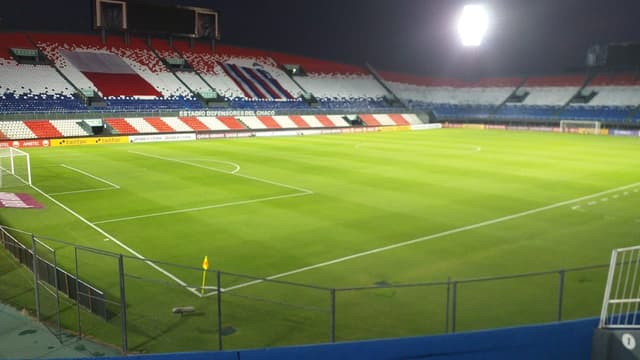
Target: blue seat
pixel 11 103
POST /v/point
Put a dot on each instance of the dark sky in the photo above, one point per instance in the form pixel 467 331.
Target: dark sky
pixel 415 36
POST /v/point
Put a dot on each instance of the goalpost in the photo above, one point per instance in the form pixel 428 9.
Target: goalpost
pixel 15 167
pixel 580 126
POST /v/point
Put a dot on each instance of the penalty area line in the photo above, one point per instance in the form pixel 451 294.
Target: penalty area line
pixel 91 176
pixel 201 208
pixel 433 236
pixel 112 186
pixel 234 173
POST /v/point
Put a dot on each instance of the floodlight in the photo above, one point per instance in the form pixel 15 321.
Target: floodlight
pixel 473 24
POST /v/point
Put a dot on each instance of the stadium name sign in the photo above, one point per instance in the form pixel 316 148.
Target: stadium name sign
pixel 227 113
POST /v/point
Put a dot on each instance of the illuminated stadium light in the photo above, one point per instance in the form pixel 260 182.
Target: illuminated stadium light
pixel 473 24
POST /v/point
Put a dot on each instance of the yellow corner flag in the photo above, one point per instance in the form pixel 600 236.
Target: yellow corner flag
pixel 205 267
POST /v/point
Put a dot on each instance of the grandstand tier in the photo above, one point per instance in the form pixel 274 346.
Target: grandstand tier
pixel 50 129
pixel 31 88
pixel 43 129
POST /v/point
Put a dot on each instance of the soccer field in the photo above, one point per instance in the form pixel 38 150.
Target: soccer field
pixel 338 211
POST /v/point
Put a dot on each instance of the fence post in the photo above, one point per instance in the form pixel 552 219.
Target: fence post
pixel 453 306
pixel 123 305
pixel 560 293
pixel 75 254
pixel 447 305
pixel 55 282
pixel 332 316
pixel 35 275
pixel 219 300
pixel 607 289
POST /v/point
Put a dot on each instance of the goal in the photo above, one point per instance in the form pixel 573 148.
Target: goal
pixel 15 167
pixel 580 126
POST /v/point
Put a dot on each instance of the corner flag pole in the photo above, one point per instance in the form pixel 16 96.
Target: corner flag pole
pixel 205 267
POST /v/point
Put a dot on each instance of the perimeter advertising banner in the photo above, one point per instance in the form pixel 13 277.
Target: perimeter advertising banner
pixel 25 143
pixel 162 138
pixel 395 128
pixel 90 141
pixel 615 132
pixel 473 126
pixel 426 126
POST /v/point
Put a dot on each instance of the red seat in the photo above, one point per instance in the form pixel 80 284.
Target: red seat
pixel 231 122
pixel 43 129
pixel 121 126
pixel 159 125
pixel 194 123
pixel 269 122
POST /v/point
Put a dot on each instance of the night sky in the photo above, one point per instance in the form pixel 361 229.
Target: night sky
pixel 411 36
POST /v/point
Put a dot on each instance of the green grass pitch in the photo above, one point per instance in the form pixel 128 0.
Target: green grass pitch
pixel 337 211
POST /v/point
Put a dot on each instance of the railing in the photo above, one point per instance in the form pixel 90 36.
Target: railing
pixel 102 114
pixel 622 293
pixel 170 311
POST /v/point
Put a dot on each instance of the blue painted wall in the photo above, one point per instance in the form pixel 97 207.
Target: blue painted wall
pixel 555 341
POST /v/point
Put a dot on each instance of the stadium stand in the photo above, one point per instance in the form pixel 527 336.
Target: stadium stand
pixel 194 123
pixel 43 129
pixel 31 88
pixel 336 86
pixel 170 124
pixel 49 129
pixel 615 96
pixel 16 130
pixel 452 99
pixel 121 126
pixel 104 68
pixel 248 79
pixel 156 74
pixel 542 97
pixel 69 128
pixel 190 78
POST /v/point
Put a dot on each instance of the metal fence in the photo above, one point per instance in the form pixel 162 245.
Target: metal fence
pixel 622 292
pixel 155 306
pixel 103 114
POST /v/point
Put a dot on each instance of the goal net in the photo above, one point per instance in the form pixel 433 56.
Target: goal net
pixel 580 127
pixel 15 168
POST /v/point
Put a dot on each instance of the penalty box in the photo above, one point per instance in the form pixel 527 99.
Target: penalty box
pixel 151 185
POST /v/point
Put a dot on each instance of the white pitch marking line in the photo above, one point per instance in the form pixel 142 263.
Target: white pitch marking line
pixel 91 176
pixel 591 203
pixel 236 166
pixel 433 236
pixel 604 199
pixel 173 212
pixel 224 172
pixel 82 191
pixel 122 245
